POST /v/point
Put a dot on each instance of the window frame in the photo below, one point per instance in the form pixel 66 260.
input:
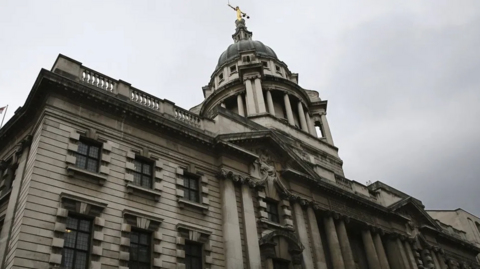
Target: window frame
pixel 143 162
pixel 187 190
pixel 233 69
pixel 188 244
pixel 88 252
pixel 89 143
pixel 272 203
pixel 149 250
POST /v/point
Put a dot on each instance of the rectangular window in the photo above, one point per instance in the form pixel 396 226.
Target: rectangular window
pixel 193 256
pixel 88 156
pixel 233 68
pixel 191 189
pixel 142 175
pixel 280 264
pixel 76 248
pixel 272 210
pixel 277 68
pixel 265 64
pixel 220 76
pixel 140 245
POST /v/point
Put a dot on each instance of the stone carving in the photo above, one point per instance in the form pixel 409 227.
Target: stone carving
pixel 294 244
pixel 252 182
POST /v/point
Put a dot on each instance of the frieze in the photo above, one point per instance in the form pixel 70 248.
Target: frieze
pixel 349 211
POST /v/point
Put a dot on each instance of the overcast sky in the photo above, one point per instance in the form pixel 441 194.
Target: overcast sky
pixel 402 77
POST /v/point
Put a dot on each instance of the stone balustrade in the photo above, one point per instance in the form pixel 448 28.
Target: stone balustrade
pixel 72 69
pixel 97 79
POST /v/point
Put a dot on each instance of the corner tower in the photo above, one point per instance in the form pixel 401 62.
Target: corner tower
pixel 252 81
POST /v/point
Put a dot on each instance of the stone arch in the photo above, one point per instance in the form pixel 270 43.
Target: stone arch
pixel 295 247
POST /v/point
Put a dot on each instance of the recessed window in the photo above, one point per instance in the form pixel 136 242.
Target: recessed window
pixel 88 156
pixel 76 248
pixel 246 59
pixel 272 211
pixel 191 189
pixel 220 77
pixel 233 68
pixel 280 264
pixel 142 175
pixel 277 68
pixel 140 243
pixel 193 255
pixel 265 64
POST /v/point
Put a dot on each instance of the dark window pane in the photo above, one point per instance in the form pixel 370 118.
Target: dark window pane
pixel 82 148
pixel 147 169
pixel 67 258
pixel 138 166
pixel 147 181
pixel 84 225
pixel 143 254
pixel 72 223
pixel 82 241
pixel 93 152
pixel 133 237
pixel 77 243
pixel 69 239
pixel 81 162
pixel 81 260
pixel 137 178
pixel 92 165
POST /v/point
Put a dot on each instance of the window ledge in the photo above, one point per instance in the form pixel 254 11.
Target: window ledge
pixel 132 188
pixel 184 202
pixel 72 170
pixel 268 223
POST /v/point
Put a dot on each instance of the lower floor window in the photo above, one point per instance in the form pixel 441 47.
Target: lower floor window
pixel 193 256
pixel 140 250
pixel 76 246
pixel 280 264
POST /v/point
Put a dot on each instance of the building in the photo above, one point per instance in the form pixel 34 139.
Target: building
pixel 459 222
pixel 99 174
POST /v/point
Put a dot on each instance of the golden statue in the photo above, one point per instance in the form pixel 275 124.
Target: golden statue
pixel 239 12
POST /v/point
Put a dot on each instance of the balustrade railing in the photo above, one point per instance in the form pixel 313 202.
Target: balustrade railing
pixel 96 79
pixel 144 99
pixel 187 117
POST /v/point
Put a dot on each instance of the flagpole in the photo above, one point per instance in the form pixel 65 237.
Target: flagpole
pixel 4 116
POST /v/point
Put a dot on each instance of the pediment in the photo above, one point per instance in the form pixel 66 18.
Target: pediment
pixel 286 156
pixel 411 209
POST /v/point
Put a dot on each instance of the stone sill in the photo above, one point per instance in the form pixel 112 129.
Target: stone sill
pixel 131 188
pixel 268 223
pixel 72 170
pixel 184 202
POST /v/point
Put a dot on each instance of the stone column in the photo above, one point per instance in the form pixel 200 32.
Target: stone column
pixel 302 234
pixel 259 96
pixel 319 254
pixel 271 108
pixel 250 228
pixel 301 115
pixel 333 244
pixel 382 256
pixel 288 109
pixel 231 227
pixel 410 255
pixel 251 110
pixel 370 250
pixel 326 128
pixel 345 245
pixel 435 260
pixel 311 128
pixel 441 260
pixel 403 254
pixel 393 254
pixel 241 110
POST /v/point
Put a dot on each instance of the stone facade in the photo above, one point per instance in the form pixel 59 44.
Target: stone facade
pixel 97 173
pixel 459 223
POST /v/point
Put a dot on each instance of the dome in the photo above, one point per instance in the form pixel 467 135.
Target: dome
pixel 234 50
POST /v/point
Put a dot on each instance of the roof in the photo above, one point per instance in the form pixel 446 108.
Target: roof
pixel 233 51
